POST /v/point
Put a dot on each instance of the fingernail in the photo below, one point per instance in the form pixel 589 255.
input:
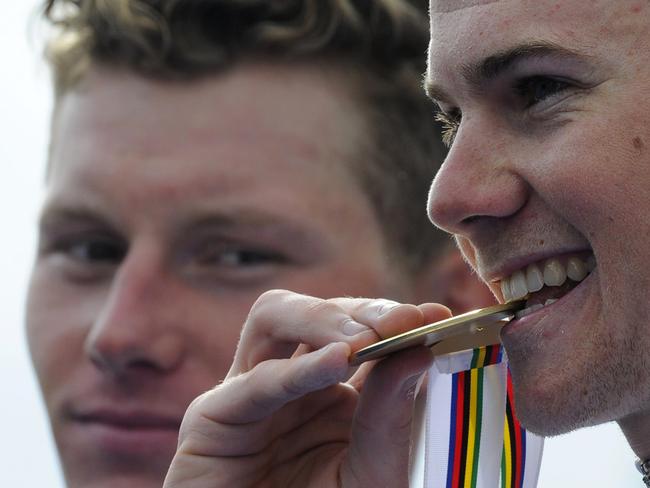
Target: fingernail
pixel 323 351
pixel 412 385
pixel 352 328
pixel 333 372
pixel 419 383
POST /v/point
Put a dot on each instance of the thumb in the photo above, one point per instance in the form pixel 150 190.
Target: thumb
pixel 381 431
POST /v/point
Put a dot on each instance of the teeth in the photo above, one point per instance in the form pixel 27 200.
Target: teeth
pixel 534 278
pixel 518 288
pixel 505 290
pixel 554 273
pixel 529 310
pixel 576 269
pixel 534 308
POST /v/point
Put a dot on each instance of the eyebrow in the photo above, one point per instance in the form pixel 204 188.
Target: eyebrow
pixel 480 73
pixel 265 226
pixel 56 213
pixel 260 222
pixel 60 212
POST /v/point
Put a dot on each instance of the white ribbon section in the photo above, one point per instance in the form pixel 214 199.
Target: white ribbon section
pixel 440 422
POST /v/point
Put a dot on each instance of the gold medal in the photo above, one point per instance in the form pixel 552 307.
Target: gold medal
pixel 467 331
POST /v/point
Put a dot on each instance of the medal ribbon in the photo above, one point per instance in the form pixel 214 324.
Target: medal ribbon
pixel 473 437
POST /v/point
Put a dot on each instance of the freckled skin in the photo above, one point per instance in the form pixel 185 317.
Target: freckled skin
pixel 510 188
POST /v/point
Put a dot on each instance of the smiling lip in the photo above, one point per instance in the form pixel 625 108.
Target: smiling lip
pixel 493 276
pixel 577 294
pixel 126 432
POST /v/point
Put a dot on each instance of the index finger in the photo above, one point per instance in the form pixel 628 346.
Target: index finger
pixel 280 321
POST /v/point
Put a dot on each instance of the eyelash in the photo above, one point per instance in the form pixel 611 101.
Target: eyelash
pixel 526 86
pixel 100 250
pixel 450 123
pixel 245 257
pixel 80 249
pixel 523 88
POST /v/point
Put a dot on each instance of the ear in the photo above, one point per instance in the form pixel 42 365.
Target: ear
pixel 449 280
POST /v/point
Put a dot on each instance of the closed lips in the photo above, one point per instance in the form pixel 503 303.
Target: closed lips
pixel 140 420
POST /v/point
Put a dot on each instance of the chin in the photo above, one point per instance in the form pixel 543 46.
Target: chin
pixel 95 457
pixel 551 403
pixel 549 422
pixel 111 473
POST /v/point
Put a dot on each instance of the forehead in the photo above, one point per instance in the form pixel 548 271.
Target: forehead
pixel 145 151
pixel 251 121
pixel 479 29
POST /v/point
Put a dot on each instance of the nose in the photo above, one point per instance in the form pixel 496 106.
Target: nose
pixel 477 183
pixel 136 328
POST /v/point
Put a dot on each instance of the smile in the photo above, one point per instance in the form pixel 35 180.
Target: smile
pixel 545 282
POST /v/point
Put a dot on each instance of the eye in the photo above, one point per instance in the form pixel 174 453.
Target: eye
pixel 92 250
pixel 238 257
pixel 235 264
pixel 450 121
pixel 98 251
pixel 537 89
pixel 83 257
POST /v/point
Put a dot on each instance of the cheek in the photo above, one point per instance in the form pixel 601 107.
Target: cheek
pixel 359 270
pixel 575 175
pixel 596 175
pixel 54 337
pixel 209 326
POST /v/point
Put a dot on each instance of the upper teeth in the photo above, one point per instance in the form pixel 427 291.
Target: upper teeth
pixel 551 272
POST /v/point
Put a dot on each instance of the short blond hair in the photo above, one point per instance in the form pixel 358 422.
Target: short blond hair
pixel 383 41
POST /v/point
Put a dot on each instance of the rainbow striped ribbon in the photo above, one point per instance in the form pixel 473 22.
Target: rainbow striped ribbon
pixel 513 457
pixel 474 439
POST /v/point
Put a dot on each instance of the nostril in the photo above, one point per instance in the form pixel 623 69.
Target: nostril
pixel 477 223
pixel 123 364
pixel 143 364
pixel 105 363
pixel 472 219
pixel 97 361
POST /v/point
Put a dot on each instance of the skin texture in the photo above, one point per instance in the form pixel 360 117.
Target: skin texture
pixel 550 156
pixel 170 208
pixel 289 419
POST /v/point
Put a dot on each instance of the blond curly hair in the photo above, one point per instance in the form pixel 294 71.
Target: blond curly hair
pixel 191 37
pixel 382 42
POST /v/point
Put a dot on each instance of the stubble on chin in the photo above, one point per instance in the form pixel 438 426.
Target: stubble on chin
pixel 553 397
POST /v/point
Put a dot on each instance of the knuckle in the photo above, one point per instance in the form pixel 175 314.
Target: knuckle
pixel 374 308
pixel 319 308
pixel 265 308
pixel 384 306
pixel 292 389
pixel 269 300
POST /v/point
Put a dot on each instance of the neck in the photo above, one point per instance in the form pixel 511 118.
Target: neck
pixel 636 429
